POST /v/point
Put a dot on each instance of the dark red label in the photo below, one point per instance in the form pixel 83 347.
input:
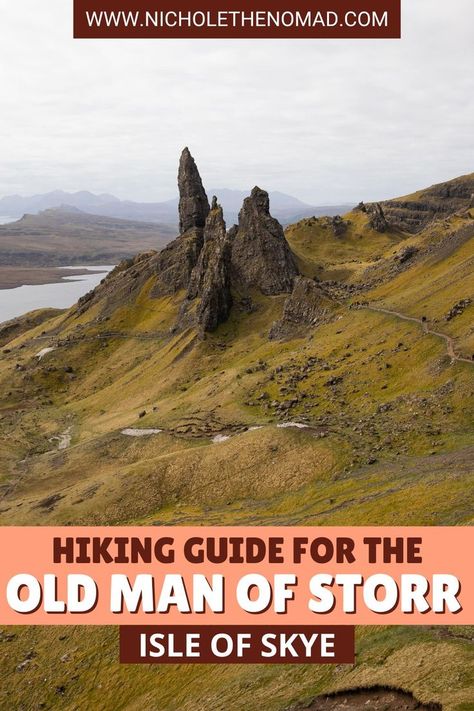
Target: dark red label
pixel 331 19
pixel 156 644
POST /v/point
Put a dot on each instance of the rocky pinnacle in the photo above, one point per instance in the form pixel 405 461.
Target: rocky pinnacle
pixel 193 202
pixel 210 279
pixel 261 256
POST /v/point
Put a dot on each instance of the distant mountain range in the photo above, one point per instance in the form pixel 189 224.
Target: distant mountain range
pixel 285 208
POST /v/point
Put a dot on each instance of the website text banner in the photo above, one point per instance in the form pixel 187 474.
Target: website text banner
pixel 236 575
pixel 285 19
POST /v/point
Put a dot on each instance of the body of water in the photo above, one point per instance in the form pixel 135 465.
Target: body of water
pixel 62 295
pixel 5 219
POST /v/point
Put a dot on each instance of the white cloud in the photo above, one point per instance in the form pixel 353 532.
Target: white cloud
pixel 326 121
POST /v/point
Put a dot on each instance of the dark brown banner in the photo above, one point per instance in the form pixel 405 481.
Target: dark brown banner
pixel 155 644
pixel 285 19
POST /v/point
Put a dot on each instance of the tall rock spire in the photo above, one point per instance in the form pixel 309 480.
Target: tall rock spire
pixel 175 263
pixel 193 202
pixel 210 280
pixel 261 256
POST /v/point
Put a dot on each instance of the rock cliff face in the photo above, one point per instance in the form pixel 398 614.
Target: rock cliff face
pixel 261 257
pixel 193 202
pixel 174 264
pixel 209 285
pixel 414 213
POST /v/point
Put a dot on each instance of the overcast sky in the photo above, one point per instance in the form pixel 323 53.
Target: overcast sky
pixel 327 121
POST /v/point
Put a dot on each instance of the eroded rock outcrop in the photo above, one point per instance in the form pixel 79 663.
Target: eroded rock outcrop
pixel 209 286
pixel 174 264
pixel 376 214
pixel 458 309
pixel 307 305
pixel 377 219
pixel 261 257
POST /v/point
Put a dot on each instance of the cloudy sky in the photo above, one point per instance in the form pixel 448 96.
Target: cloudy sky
pixel 327 121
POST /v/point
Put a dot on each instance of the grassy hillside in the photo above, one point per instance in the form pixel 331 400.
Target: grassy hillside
pixel 388 441
pixel 329 256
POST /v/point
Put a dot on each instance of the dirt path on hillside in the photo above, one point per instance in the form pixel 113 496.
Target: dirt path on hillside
pixel 450 343
pixel 158 335
pixel 71 341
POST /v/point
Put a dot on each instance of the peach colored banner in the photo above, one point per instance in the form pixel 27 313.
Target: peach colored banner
pixel 236 575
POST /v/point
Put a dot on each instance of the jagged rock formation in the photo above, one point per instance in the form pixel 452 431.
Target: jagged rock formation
pixel 209 285
pixel 193 202
pixel 307 305
pixel 377 219
pixel 415 212
pixel 205 261
pixel 172 267
pixel 261 257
